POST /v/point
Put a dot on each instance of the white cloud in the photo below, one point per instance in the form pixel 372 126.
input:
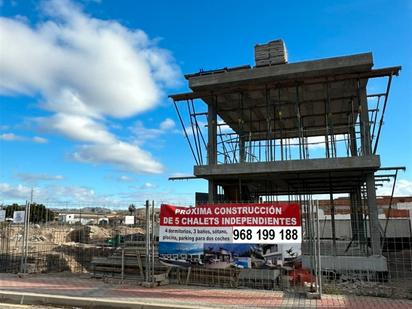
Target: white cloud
pixel 8 191
pixel 83 64
pixel 11 137
pixel 143 134
pixel 75 193
pixel 124 178
pixel 127 156
pixel 316 142
pixel 225 129
pixel 167 124
pixel 147 185
pixel 20 193
pixel 403 187
pixel 86 69
pixel 61 196
pixel 160 196
pixel 28 177
pixel 76 127
pixel 39 140
pixel 179 174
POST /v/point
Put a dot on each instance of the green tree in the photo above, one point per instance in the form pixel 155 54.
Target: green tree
pixel 132 209
pixel 38 212
pixel 10 209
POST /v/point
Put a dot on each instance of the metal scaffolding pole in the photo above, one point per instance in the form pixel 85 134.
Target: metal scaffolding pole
pixel 212 145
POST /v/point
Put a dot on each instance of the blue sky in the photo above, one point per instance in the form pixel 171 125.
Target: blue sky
pixel 84 114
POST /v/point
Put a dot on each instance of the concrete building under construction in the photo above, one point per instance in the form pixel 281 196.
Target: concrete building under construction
pixel 291 129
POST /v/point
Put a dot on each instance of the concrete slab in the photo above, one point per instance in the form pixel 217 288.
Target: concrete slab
pixel 289 166
pixel 314 176
pixel 313 68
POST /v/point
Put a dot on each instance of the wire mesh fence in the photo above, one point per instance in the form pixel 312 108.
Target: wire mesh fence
pixel 66 237
pixel 99 242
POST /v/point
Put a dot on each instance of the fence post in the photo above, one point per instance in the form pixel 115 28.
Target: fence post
pixel 153 240
pixel 319 257
pixel 147 258
pixel 122 263
pixel 23 259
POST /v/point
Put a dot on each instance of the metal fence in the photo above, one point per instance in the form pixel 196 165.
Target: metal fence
pixel 342 264
pixel 82 243
pixel 68 242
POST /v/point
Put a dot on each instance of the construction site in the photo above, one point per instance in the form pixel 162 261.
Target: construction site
pixel 303 132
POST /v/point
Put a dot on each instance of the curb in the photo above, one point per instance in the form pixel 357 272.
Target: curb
pixel 82 302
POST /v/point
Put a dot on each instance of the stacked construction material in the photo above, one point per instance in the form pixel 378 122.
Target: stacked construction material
pixel 271 53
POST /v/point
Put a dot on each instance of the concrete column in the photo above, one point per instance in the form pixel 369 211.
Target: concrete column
pixel 212 191
pixel 364 122
pixel 353 213
pixel 355 197
pixel 357 221
pixel 353 144
pixel 242 150
pixel 332 217
pixel 374 226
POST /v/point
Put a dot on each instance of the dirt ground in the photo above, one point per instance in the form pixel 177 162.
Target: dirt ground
pixel 11 236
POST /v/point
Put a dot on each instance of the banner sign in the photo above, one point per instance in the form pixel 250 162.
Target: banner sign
pixel 269 223
pixel 2 215
pixel 18 216
pixel 129 220
pixel 258 236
